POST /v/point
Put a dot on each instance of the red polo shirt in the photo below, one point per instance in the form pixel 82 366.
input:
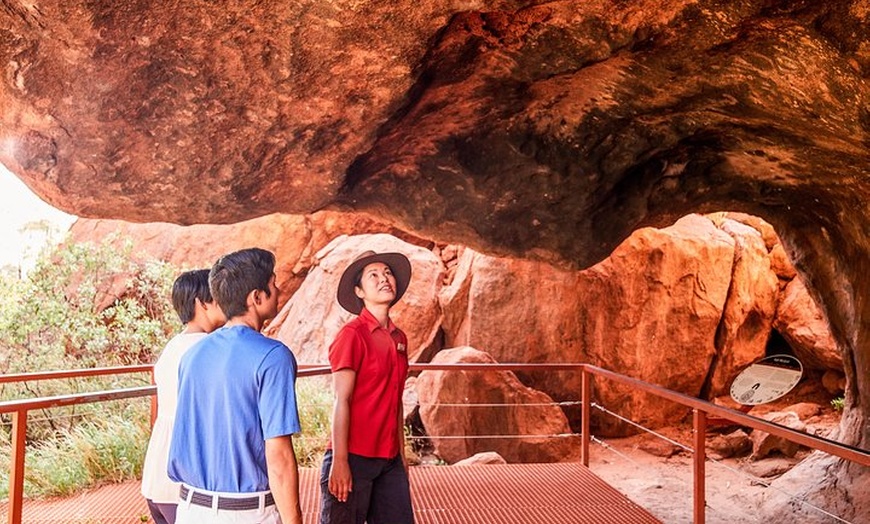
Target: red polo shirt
pixel 380 359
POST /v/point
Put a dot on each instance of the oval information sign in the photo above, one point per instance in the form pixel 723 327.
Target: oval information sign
pixel 766 380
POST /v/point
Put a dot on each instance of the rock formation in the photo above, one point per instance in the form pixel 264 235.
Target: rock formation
pixel 293 238
pixel 493 411
pixel 686 307
pixel 541 130
pixel 310 320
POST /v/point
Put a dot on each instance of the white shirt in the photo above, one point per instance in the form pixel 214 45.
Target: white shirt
pixel 156 485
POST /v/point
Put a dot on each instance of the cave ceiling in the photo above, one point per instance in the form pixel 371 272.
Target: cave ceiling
pixel 544 129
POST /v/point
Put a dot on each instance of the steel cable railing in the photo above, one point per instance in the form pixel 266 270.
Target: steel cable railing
pixel 19 409
pixel 684 447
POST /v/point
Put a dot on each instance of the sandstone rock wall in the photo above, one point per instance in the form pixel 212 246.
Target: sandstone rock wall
pixel 312 317
pixel 483 406
pixel 295 239
pixel 685 307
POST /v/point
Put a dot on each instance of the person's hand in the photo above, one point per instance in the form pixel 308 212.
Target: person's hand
pixel 340 481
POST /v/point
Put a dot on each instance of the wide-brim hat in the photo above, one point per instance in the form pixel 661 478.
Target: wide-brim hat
pixel 399 265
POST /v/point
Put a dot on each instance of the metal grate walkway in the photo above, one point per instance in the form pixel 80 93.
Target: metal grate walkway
pixel 567 493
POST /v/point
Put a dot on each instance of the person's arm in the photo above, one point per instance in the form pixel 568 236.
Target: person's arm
pixel 284 478
pixel 340 481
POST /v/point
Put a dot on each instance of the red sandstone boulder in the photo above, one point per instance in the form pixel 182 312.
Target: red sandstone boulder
pixel 781 265
pixel 312 317
pixel 470 404
pixel 733 444
pixel 834 382
pixel 517 310
pixel 779 262
pixel 665 307
pixel 763 443
pixel 654 307
pixel 804 326
pixel 651 310
pixel 482 459
pixel 749 308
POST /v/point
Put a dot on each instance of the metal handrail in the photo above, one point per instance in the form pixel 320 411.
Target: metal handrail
pixel 74 399
pixel 700 409
pixel 838 449
pixel 20 407
pixel 74 373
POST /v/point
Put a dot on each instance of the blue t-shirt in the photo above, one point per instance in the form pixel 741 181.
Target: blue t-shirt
pixel 236 389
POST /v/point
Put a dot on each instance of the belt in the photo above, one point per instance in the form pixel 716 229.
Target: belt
pixel 225 503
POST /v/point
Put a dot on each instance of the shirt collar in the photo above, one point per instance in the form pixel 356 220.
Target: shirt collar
pixel 372 323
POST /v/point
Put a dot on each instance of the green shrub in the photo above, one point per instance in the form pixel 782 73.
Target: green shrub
pixel 113 449
pixel 93 306
pixel 838 403
pixel 314 399
pixel 87 305
pixel 82 306
pixel 97 450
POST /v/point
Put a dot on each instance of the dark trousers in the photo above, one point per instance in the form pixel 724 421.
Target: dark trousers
pixel 380 493
pixel 162 513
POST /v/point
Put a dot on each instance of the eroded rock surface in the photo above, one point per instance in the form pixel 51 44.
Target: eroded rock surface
pixel 310 320
pixel 685 307
pixel 295 239
pixel 493 411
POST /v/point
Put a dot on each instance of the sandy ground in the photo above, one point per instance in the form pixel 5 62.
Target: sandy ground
pixel 663 485
pixel 734 486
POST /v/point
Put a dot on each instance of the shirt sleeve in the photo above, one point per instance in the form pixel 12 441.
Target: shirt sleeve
pixel 279 414
pixel 347 350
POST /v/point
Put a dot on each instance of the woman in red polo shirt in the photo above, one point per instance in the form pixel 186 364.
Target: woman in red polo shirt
pixel 364 478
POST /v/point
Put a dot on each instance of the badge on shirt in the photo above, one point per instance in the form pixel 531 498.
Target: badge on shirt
pixel 401 348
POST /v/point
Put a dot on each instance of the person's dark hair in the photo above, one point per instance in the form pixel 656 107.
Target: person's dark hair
pixel 235 275
pixel 188 287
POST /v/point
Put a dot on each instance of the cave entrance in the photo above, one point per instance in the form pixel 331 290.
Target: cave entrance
pixel 777 345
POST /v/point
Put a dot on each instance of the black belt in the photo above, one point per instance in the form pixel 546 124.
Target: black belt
pixel 225 503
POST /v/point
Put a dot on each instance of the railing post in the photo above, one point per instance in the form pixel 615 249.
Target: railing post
pixel 699 424
pixel 586 399
pixel 16 476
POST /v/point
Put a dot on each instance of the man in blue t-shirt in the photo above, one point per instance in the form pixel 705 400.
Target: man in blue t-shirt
pixel 232 446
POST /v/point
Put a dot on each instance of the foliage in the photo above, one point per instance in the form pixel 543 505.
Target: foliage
pixel 108 449
pixel 87 305
pixel 412 457
pixel 838 403
pixel 314 400
pixel 83 306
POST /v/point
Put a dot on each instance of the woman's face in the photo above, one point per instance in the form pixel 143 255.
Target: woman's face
pixel 377 284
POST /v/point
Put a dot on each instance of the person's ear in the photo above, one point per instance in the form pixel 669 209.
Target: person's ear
pixel 358 291
pixel 211 307
pixel 254 298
